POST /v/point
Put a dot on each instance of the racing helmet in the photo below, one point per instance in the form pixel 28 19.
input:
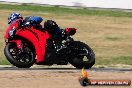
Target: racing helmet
pixel 14 16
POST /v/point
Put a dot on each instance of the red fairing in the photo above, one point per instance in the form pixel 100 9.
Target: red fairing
pixel 36 37
pixel 39 41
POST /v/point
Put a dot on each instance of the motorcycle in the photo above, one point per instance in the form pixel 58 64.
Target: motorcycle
pixel 26 46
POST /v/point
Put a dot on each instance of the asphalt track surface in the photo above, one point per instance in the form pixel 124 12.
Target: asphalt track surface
pixel 92 69
pixel 57 77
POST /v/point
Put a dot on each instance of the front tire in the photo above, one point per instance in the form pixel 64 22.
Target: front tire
pixel 17 58
pixel 79 54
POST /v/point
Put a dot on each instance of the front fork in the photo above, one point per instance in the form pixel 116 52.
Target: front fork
pixel 18 43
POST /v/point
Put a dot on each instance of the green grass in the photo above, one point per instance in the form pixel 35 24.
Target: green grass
pixel 4 62
pixel 60 10
pixel 114 38
pixel 114 60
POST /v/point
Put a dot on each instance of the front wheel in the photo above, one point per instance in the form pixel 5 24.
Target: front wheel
pixel 19 58
pixel 82 55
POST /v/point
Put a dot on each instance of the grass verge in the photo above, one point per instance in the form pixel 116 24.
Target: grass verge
pixel 62 10
pixel 114 60
pixel 4 62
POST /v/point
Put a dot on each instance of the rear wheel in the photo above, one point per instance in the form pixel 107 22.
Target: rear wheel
pixel 24 58
pixel 83 55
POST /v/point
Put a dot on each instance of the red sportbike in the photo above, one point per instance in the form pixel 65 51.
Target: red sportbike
pixel 28 45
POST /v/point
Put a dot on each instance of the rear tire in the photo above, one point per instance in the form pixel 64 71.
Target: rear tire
pixel 20 60
pixel 77 61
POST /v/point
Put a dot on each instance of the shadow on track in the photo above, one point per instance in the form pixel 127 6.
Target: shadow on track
pixel 44 68
pixel 64 69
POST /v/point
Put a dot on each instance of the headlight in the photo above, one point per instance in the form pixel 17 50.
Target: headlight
pixel 12 32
